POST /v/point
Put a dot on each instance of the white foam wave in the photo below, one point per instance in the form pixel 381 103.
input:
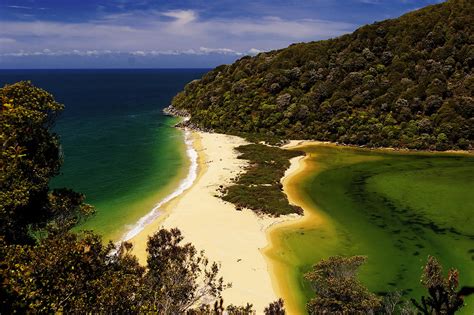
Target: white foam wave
pixel 185 184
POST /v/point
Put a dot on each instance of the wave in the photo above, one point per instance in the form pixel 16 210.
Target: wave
pixel 185 184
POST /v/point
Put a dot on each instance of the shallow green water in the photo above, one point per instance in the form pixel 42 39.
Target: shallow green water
pixel 394 208
pixel 119 149
pixel 131 175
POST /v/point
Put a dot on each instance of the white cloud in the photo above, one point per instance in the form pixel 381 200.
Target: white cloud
pixel 254 51
pixel 146 33
pixel 224 51
pixel 19 7
pixel 181 16
pixel 370 1
pixel 140 53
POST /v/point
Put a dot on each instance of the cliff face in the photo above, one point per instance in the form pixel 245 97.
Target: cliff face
pixel 406 82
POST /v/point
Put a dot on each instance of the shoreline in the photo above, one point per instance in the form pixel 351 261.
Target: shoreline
pixel 182 185
pixel 292 144
pixel 276 267
pixel 234 239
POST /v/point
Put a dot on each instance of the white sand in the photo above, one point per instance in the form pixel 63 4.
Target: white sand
pixel 233 238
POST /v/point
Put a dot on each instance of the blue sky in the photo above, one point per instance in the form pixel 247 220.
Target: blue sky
pixel 174 33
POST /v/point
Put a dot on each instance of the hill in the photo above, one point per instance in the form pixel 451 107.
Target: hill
pixel 406 82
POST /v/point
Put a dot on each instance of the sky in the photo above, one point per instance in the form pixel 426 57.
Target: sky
pixel 173 33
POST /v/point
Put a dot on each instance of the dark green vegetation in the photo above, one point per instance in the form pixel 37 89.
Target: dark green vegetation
pixel 406 82
pixel 338 291
pixel 45 268
pixel 69 272
pixel 259 187
pixel 443 295
pixel 395 208
pixel 30 158
pixel 119 149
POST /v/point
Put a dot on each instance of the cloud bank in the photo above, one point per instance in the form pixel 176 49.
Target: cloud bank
pixel 158 33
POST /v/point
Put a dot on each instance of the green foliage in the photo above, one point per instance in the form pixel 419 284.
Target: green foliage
pixel 337 289
pixel 275 308
pixel 68 273
pixel 259 187
pixel 406 82
pixel 443 296
pixel 240 310
pixel 178 276
pixel 71 272
pixel 30 157
pixel 219 309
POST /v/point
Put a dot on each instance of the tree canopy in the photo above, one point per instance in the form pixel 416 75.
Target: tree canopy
pixel 72 272
pixel 443 295
pixel 30 157
pixel 406 82
pixel 337 289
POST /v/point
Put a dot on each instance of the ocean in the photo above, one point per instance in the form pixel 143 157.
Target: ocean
pixel 119 149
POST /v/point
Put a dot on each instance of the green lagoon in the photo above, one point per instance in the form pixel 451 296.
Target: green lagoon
pixel 396 208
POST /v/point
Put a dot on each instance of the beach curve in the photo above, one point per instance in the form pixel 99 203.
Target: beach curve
pixel 299 168
pixel 235 239
pixel 184 184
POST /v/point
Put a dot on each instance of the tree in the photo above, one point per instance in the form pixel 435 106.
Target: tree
pixel 30 158
pixel 178 277
pixel 337 289
pixel 275 308
pixel 74 272
pixel 391 301
pixel 443 297
pixel 68 272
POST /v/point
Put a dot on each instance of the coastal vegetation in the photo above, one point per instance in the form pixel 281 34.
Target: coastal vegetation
pixel 405 82
pixel 338 291
pixel 259 188
pixel 30 158
pixel 443 295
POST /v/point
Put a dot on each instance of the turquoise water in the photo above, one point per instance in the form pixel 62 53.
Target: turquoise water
pixel 119 149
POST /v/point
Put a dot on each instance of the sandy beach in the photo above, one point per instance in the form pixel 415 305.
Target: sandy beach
pixel 277 270
pixel 235 239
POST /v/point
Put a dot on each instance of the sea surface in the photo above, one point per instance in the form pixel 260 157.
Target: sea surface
pixel 119 149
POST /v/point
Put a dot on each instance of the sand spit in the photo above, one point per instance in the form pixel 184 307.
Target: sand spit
pixel 235 239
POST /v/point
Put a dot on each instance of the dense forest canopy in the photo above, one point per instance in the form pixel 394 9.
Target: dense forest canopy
pixel 406 82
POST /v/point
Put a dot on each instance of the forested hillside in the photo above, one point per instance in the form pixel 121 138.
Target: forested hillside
pixel 406 82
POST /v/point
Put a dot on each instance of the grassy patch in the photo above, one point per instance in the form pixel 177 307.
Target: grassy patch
pixel 259 188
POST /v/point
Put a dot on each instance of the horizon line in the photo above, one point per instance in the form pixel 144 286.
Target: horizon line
pixel 171 68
